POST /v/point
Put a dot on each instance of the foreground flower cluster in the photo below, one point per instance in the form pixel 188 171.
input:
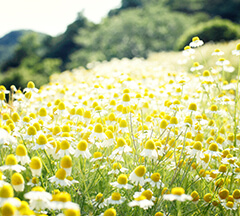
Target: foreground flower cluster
pixel 126 137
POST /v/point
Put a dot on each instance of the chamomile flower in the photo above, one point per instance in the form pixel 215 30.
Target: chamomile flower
pixel 42 143
pixel 66 164
pixel 155 180
pixel 122 182
pixel 7 195
pixel 82 149
pixel 177 193
pixel 196 42
pixel 196 67
pixel 8 209
pixel 21 154
pixel 222 62
pixel 62 200
pixel 11 164
pixel 237 50
pixel 109 212
pixel 217 52
pixel 98 133
pixel 65 149
pixel 142 202
pixel 60 178
pixel 115 199
pixel 188 51
pixel 30 87
pixel 39 198
pixel 99 201
pixel 17 181
pixel 137 175
pixel 36 166
pixel 121 147
pixel 147 193
pixel 150 150
pixel 117 168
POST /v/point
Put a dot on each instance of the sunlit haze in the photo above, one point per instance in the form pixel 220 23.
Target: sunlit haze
pixel 50 16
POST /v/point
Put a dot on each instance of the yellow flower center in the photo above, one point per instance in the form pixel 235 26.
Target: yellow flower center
pixel 126 97
pixel 110 212
pixel 207 197
pixel 197 146
pixel 163 124
pixel 140 198
pixel 11 160
pixel 155 177
pixel 150 145
pixel 229 204
pixel 188 120
pixel 28 95
pixel 122 179
pixel 116 196
pixel 236 194
pixel 36 163
pixel 66 128
pixel 117 166
pixel 193 107
pixel 26 119
pixel 159 214
pixel 178 191
pixel 66 162
pixel 56 130
pixel 21 150
pixel 195 39
pixel 79 112
pixel 64 145
pixel 35 180
pixel 8 209
pixel 17 179
pixel 63 197
pixel 222 168
pixel 15 117
pixel 42 140
pixel 223 193
pixel 238 47
pixel 6 191
pixel 82 145
pixel 195 64
pixel 148 194
pixel 31 84
pixel 31 131
pixel 214 108
pixel 38 188
pixel 61 174
pixel 97 154
pixel 109 134
pixel 61 106
pixel 121 142
pixel 99 197
pixel 123 123
pixel 43 112
pixel 98 128
pixel 213 147
pixel 140 171
pixel 173 120
pixel 72 212
pixel 195 196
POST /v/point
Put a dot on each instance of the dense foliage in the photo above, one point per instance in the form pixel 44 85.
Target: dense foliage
pixel 136 29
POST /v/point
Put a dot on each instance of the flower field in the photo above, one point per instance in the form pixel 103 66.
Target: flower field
pixel 125 137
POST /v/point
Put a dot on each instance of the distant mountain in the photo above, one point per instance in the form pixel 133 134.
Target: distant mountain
pixel 8 43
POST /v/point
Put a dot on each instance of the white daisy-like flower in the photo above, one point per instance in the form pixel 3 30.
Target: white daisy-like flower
pixel 65 149
pixel 222 62
pixel 115 199
pixel 98 133
pixel 177 193
pixel 150 150
pixel 60 178
pixel 6 195
pixel 11 164
pixel 237 50
pixel 122 182
pixel 196 67
pixel 137 175
pixel 39 198
pixel 188 51
pixel 62 200
pixel 6 138
pixel 117 168
pixel 21 154
pixel 142 202
pixel 99 201
pixel 147 193
pixel 217 52
pixel 196 42
pixel 82 149
pixel 155 180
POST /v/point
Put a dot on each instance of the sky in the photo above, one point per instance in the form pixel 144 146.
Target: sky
pixel 50 16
